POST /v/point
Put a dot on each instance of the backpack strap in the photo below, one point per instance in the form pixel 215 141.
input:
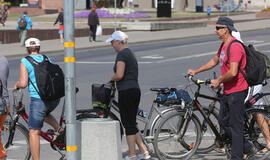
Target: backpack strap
pixel 229 47
pixel 228 56
pixel 34 63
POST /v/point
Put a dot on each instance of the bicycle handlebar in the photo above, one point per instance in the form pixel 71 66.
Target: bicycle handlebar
pixel 198 81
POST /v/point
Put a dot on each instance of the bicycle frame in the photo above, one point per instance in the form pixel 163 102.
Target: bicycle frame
pixel 197 105
pixel 20 112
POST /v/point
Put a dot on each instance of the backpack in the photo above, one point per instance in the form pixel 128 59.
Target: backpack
pixel 257 64
pixel 22 22
pixel 3 104
pixel 49 78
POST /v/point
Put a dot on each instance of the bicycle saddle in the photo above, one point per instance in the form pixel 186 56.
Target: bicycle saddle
pixel 164 89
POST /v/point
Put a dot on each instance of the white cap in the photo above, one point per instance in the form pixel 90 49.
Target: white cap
pixel 117 35
pixel 32 42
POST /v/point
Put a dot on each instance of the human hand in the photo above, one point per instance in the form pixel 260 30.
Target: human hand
pixel 191 71
pixel 215 83
pixel 16 86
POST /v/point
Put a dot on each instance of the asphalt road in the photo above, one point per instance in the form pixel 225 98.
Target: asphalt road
pixel 161 64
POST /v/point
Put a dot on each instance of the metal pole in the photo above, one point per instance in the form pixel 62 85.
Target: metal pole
pixel 70 100
pixel 115 15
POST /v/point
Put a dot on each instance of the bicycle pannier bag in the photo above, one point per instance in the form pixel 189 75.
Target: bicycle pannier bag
pixel 49 77
pixel 22 22
pixel 257 65
pixel 175 96
pixel 101 94
pixel 3 104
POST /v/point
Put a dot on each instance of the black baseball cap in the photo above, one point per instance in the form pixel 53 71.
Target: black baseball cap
pixel 226 22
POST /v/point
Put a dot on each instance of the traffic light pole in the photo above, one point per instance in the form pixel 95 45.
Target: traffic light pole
pixel 70 99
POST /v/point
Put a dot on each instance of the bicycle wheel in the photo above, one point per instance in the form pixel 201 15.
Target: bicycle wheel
pixel 208 137
pixel 259 124
pixel 19 149
pixel 168 139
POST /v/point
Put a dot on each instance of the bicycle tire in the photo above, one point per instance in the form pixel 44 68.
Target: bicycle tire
pixel 254 132
pixel 208 137
pixel 173 148
pixel 20 147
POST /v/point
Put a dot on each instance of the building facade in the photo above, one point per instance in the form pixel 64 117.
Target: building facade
pixel 145 5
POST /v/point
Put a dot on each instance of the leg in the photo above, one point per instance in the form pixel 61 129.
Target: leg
pixel 128 104
pixel 34 143
pixel 91 33
pixel 237 110
pixel 23 37
pixel 94 32
pixel 131 140
pixel 264 128
pixel 2 150
pixel 52 121
pixel 140 144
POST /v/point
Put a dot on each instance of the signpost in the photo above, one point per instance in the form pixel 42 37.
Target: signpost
pixel 70 99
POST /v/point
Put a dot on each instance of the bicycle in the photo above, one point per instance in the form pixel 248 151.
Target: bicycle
pixel 179 121
pixel 15 135
pixel 181 139
pixel 150 126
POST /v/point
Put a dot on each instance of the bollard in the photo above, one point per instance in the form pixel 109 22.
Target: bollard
pixel 100 139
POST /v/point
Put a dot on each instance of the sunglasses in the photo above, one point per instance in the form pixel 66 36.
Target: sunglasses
pixel 218 28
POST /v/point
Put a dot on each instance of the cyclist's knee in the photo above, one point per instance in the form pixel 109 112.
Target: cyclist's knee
pixel 33 132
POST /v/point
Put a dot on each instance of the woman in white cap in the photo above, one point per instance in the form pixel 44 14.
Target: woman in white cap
pixel 126 78
pixel 39 110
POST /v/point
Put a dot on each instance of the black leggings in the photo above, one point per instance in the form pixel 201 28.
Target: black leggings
pixel 128 104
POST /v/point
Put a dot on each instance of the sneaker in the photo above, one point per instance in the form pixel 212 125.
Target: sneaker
pixel 144 156
pixel 131 158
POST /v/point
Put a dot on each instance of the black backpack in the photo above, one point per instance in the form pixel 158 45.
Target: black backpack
pixel 257 64
pixel 49 78
pixel 22 22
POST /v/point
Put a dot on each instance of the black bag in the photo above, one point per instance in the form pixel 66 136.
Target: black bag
pixel 173 97
pixel 3 104
pixel 50 79
pixel 101 94
pixel 22 23
pixel 257 65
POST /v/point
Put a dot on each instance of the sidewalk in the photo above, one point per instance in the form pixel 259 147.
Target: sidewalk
pixel 81 43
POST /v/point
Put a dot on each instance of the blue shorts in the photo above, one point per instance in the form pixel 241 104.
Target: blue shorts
pixel 38 110
pixel 61 32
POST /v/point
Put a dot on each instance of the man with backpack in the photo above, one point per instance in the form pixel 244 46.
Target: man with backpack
pixel 232 108
pixel 24 23
pixel 32 67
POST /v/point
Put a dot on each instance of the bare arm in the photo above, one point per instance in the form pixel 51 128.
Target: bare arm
pixel 120 70
pixel 22 83
pixel 209 65
pixel 227 76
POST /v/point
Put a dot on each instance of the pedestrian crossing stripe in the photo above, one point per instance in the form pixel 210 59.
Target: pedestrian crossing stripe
pixel 70 59
pixel 71 148
pixel 69 44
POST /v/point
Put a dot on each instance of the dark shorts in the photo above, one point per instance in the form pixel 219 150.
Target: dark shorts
pixel 128 104
pixel 38 110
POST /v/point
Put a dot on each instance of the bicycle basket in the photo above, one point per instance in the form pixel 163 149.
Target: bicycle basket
pixel 101 94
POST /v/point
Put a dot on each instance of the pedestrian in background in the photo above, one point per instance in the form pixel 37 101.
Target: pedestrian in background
pixel 4 73
pixel 208 12
pixel 24 23
pixel 93 22
pixel 60 19
pixel 129 94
